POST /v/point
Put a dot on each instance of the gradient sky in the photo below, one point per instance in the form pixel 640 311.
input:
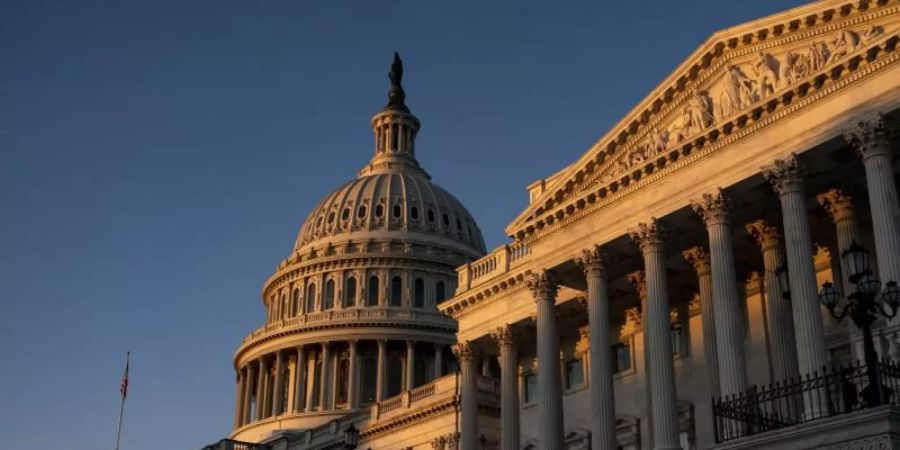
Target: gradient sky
pixel 158 158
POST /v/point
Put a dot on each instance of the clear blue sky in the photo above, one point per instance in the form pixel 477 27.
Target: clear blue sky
pixel 158 158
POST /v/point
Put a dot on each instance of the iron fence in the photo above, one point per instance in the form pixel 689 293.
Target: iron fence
pixel 831 392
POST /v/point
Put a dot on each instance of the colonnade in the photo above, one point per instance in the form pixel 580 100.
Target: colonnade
pixel 795 323
pixel 329 376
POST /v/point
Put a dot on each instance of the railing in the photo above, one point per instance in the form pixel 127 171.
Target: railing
pixel 228 444
pixel 349 315
pixel 831 393
pixel 496 262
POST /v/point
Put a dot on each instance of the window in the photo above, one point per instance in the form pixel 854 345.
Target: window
pixel 345 214
pixel 372 292
pixel 285 306
pixel 574 374
pixel 431 215
pixel 343 376
pixel 446 220
pixel 396 292
pixel 369 379
pixel 419 294
pixel 440 292
pixel 398 211
pixel 395 375
pixel 330 217
pixel 296 301
pixel 679 344
pixel 379 211
pixel 621 357
pixel 458 225
pixel 414 213
pixel 350 292
pixel 328 301
pixel 530 388
pixel 361 212
pixel 311 298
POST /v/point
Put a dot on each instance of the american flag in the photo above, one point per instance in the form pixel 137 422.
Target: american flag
pixel 123 388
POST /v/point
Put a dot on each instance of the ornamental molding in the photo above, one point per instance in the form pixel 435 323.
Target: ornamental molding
pixel 477 298
pixel 739 81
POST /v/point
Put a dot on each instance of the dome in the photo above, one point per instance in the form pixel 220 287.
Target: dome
pixel 391 204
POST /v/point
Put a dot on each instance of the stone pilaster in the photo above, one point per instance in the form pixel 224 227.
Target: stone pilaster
pixel 664 411
pixel 871 141
pixel 714 209
pixel 467 356
pixel 786 177
pixel 602 398
pixel 698 258
pixel 506 338
pixel 783 353
pixel 549 383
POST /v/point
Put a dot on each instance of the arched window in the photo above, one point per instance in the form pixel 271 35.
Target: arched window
pixel 310 299
pixel 328 300
pixel 398 211
pixel 296 301
pixel 440 292
pixel 379 210
pixel 396 291
pixel 350 292
pixel 419 294
pixel 414 213
pixel 372 291
pixel 361 212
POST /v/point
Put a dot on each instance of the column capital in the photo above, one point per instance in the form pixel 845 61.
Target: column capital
pixel 465 352
pixel 648 235
pixel 765 234
pixel 506 336
pixel 352 343
pixel 591 261
pixel 410 343
pixel 542 285
pixel 785 175
pixel 837 204
pixel 870 137
pixel 638 280
pixel 713 208
pixel 381 342
pixel 698 258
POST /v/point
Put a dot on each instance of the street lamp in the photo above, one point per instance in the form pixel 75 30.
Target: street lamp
pixel 862 307
pixel 351 437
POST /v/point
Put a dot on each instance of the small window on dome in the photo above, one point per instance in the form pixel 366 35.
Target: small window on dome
pixel 361 212
pixel 458 225
pixel 469 228
pixel 446 220
pixel 397 211
pixel 319 221
pixel 345 214
pixel 379 211
pixel 431 215
pixel 331 217
pixel 414 212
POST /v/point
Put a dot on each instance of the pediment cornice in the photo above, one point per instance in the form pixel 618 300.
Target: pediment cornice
pixel 723 90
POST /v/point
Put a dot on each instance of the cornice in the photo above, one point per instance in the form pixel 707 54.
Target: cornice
pixel 561 197
pixel 481 296
pixel 776 107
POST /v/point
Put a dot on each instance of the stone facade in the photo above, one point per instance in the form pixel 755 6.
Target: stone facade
pixel 677 260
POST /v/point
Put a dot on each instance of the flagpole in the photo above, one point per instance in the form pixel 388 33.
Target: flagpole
pixel 124 390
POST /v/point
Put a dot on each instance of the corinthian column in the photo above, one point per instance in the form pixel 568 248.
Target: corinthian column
pixel 786 177
pixel 260 389
pixel 279 384
pixel 248 394
pixel 507 341
pixel 239 398
pixel 324 385
pixel 871 140
pixel 467 355
pixel 299 387
pixel 714 209
pixel 543 289
pixel 839 207
pixel 698 258
pixel 381 379
pixel 353 376
pixel 410 364
pixel 602 398
pixel 780 323
pixel 664 411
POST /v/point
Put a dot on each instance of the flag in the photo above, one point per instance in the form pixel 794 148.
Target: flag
pixel 123 388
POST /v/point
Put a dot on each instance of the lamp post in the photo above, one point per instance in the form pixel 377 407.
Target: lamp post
pixel 351 437
pixel 863 307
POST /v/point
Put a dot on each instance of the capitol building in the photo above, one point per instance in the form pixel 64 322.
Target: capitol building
pixel 716 271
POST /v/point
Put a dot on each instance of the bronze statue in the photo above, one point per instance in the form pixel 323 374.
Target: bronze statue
pixel 396 96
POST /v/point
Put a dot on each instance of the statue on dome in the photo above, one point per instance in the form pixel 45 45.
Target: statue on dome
pixel 396 96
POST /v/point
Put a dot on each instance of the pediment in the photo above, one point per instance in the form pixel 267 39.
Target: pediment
pixel 730 79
